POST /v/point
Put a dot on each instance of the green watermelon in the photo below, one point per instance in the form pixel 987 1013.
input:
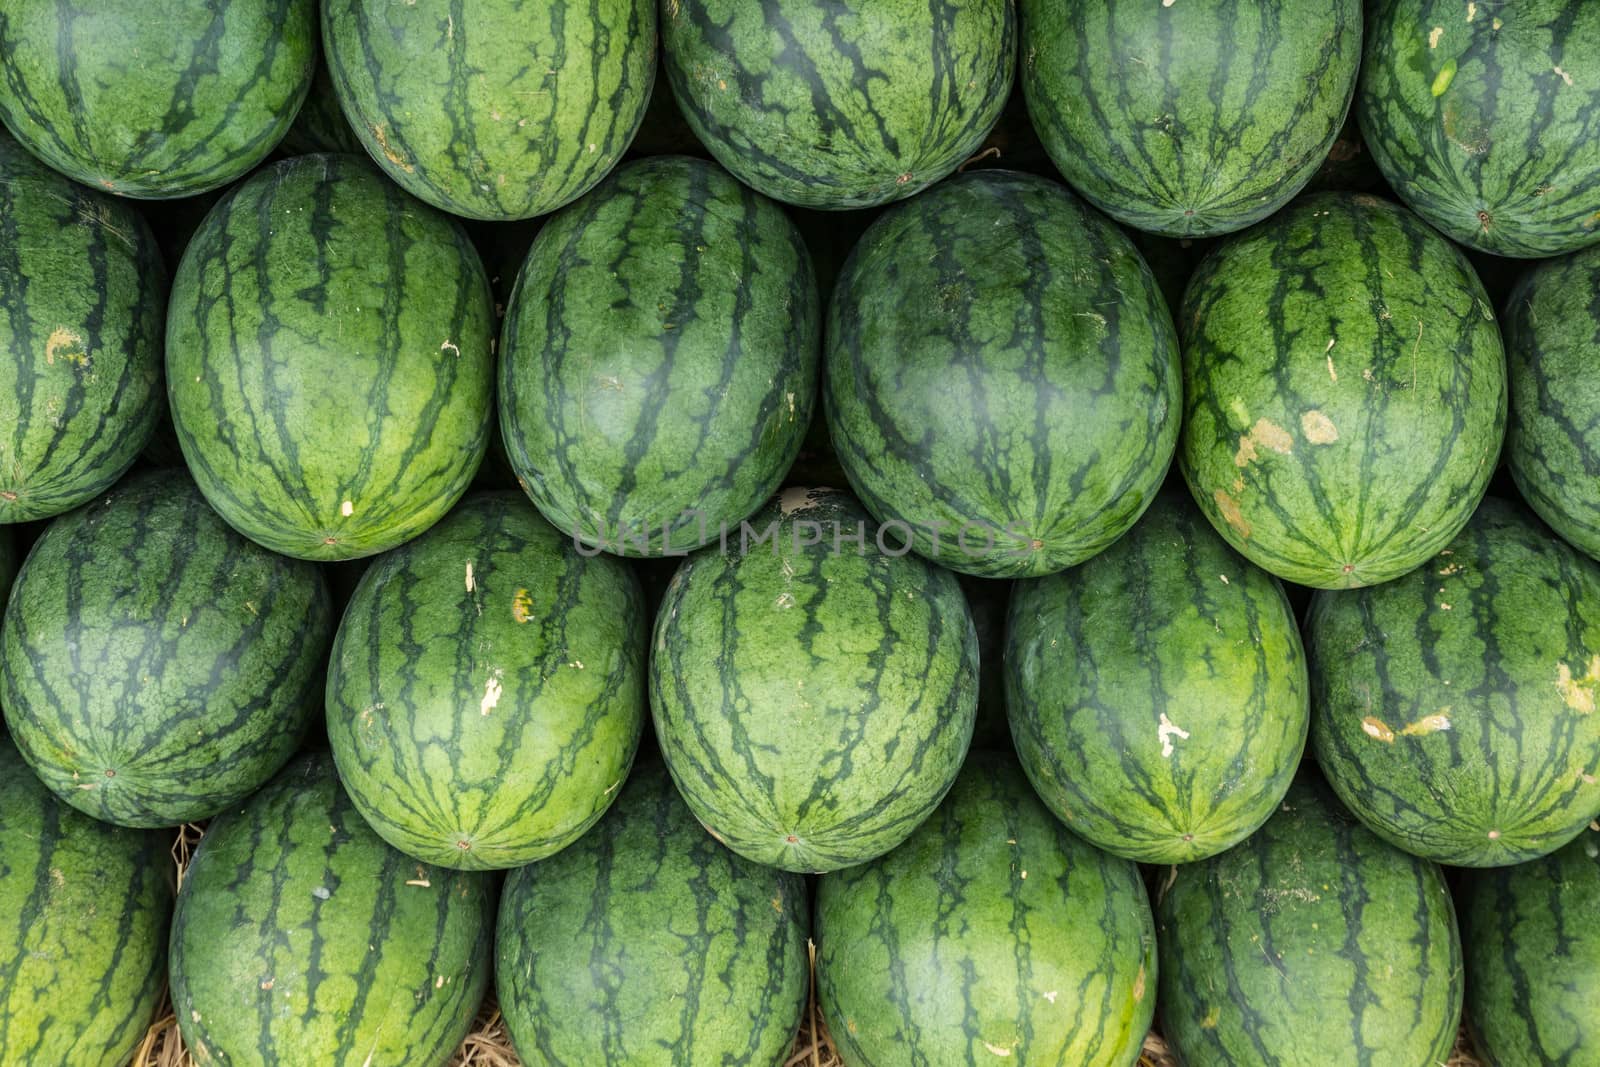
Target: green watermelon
pixel 659 361
pixel 813 686
pixel 154 98
pixel 991 936
pixel 487 688
pixel 83 928
pixel 1533 958
pixel 329 360
pixel 493 110
pixel 82 295
pixel 1553 441
pixel 301 938
pixel 648 944
pixel 156 667
pixel 1002 376
pixel 1193 118
pixel 844 104
pixel 1312 944
pixel 1454 708
pixel 1158 693
pixel 320 126
pixel 1344 391
pixel 1483 117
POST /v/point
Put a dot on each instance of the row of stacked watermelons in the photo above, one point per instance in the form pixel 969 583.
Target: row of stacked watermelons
pixel 618 515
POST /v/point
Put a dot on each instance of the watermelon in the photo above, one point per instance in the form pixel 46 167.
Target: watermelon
pixel 493 110
pixel 1002 376
pixel 156 667
pixel 1533 957
pixel 83 928
pixel 1344 391
pixel 154 100
pixel 329 360
pixel 647 943
pixel 659 358
pixel 320 126
pixel 1312 944
pixel 814 687
pixel 1453 709
pixel 992 935
pixel 301 938
pixel 1197 118
pixel 1483 118
pixel 845 104
pixel 1158 693
pixel 486 690
pixel 82 294
pixel 1553 440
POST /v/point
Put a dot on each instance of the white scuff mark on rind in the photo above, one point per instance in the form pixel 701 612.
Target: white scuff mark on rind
pixel 1433 37
pixel 997 1049
pixel 1472 11
pixel 491 696
pixel 1318 428
pixel 1166 731
pixel 450 347
pixel 471 584
pixel 1564 75
pixel 1051 996
pixel 1224 578
pixel 347 508
pixel 322 892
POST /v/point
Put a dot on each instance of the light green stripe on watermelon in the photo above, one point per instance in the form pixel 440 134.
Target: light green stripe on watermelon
pixel 649 944
pixel 83 928
pixel 329 360
pixel 486 691
pixel 1344 391
pixel 82 296
pixel 154 98
pixel 301 938
pixel 991 936
pixel 493 109
pixel 1194 118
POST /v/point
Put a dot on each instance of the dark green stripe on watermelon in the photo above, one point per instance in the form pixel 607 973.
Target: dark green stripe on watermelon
pixel 329 360
pixel 1002 375
pixel 845 104
pixel 154 98
pixel 1344 391
pixel 1552 333
pixel 1533 958
pixel 1454 708
pixel 813 696
pixel 1485 118
pixel 991 936
pixel 301 938
pixel 156 667
pixel 1312 944
pixel 649 943
pixel 493 110
pixel 487 688
pixel 83 928
pixel 1158 693
pixel 659 362
pixel 1192 118
pixel 82 297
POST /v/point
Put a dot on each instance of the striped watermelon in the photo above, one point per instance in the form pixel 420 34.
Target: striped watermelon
pixel 1002 376
pixel 329 360
pixel 1453 708
pixel 1187 119
pixel 992 935
pixel 1158 693
pixel 844 104
pixel 1483 117
pixel 1533 957
pixel 83 928
pixel 648 943
pixel 486 689
pixel 1344 391
pixel 154 100
pixel 82 295
pixel 659 359
pixel 813 689
pixel 320 126
pixel 493 109
pixel 1553 440
pixel 156 667
pixel 1312 944
pixel 301 938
